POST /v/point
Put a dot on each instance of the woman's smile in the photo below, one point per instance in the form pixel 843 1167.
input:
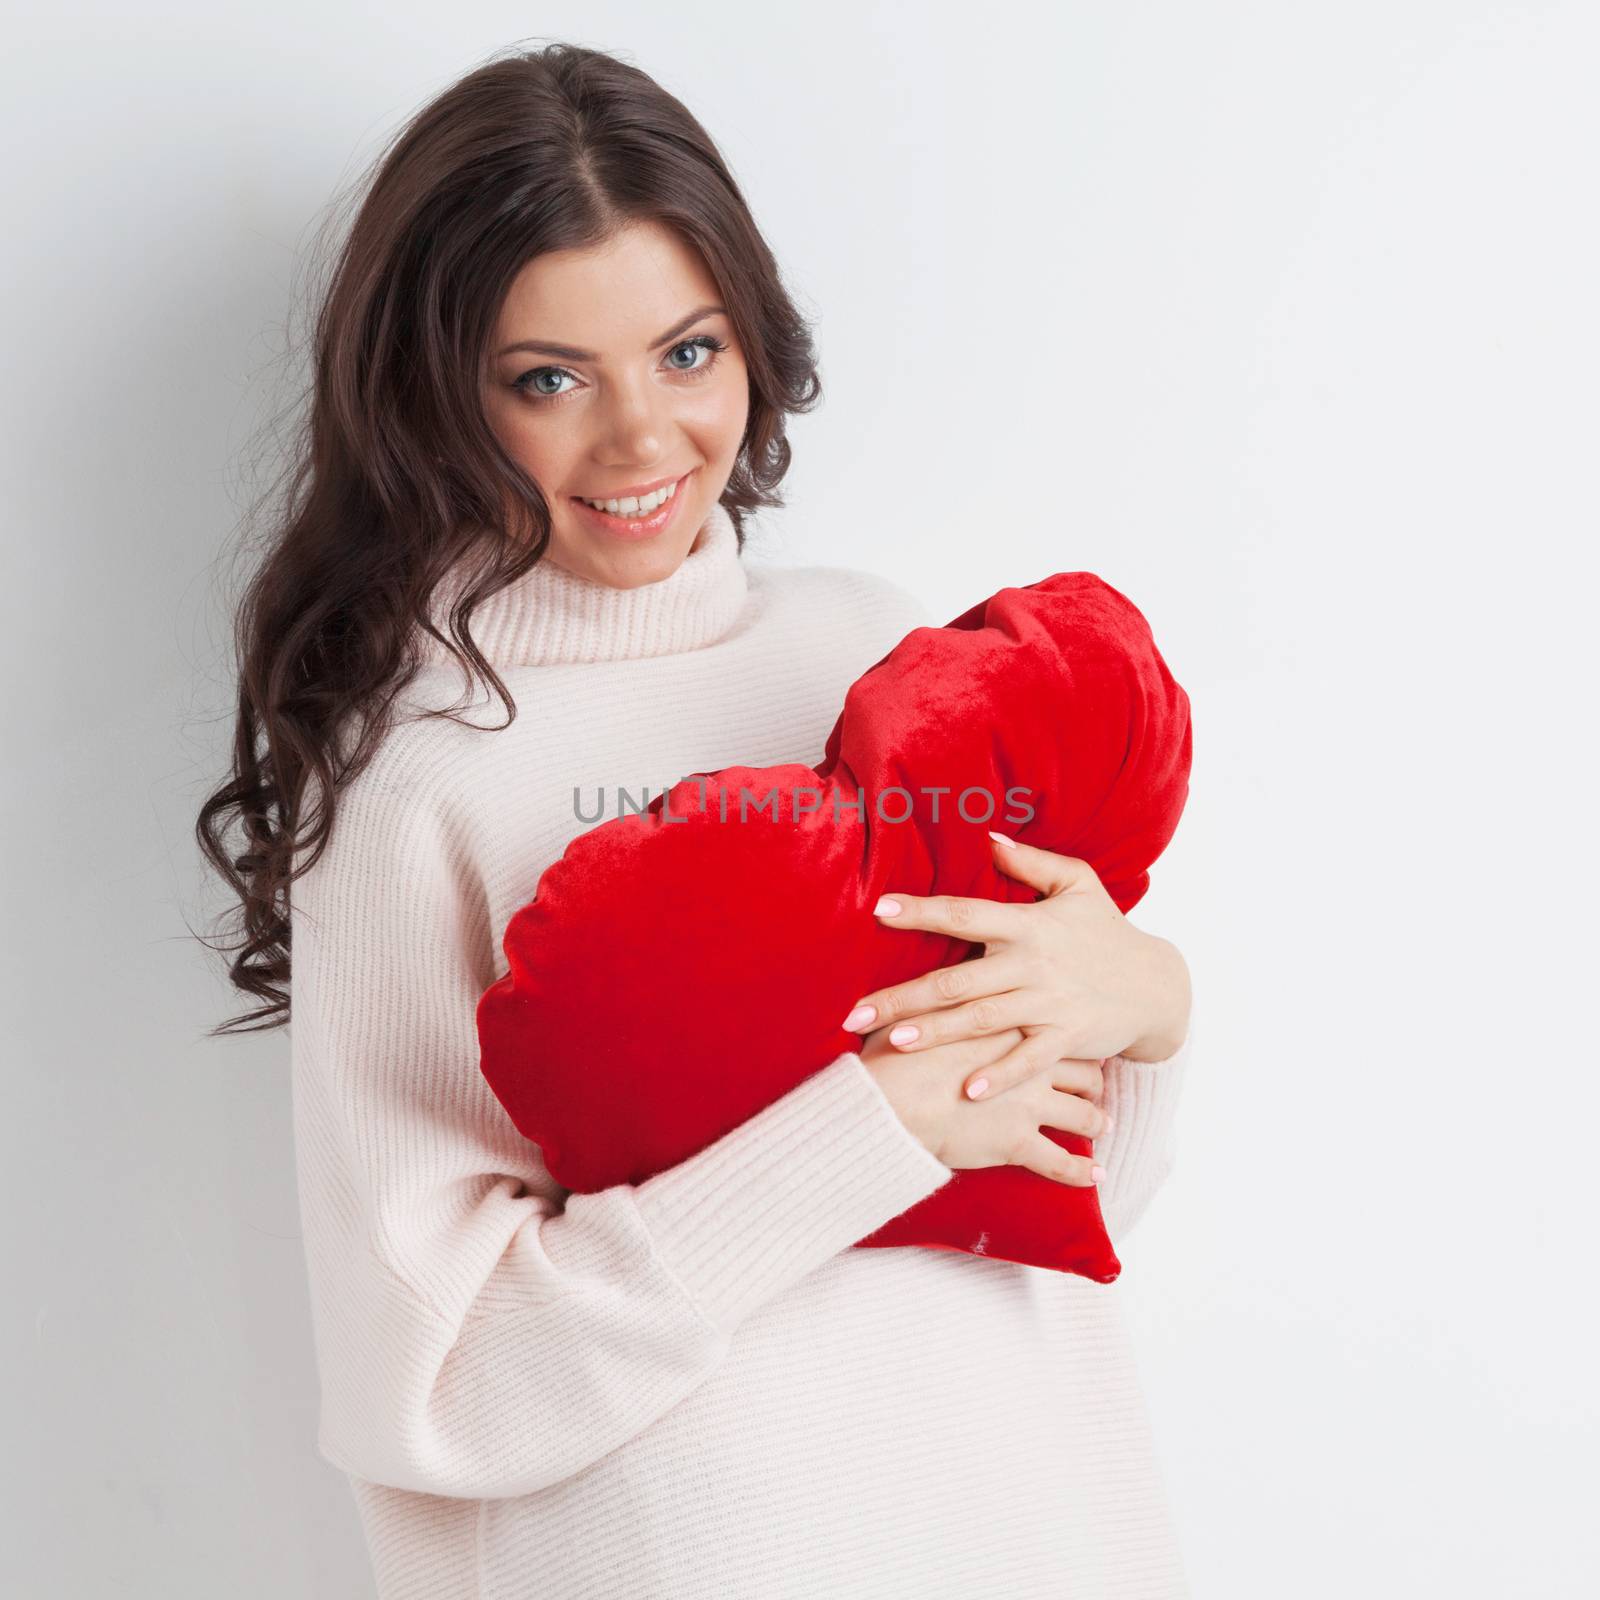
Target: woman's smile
pixel 632 517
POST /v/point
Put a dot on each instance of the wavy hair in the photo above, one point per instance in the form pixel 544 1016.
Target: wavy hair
pixel 394 475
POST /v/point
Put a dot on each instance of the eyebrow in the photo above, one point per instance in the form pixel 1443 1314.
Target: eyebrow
pixel 571 352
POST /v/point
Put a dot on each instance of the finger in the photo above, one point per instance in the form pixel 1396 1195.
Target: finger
pixel 1045 870
pixel 1043 1155
pixel 944 986
pixel 1040 1050
pixel 1087 1078
pixel 959 1057
pixel 989 1013
pixel 1071 1113
pixel 961 916
pixel 988 1048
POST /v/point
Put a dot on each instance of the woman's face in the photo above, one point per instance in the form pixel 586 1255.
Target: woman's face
pixel 604 380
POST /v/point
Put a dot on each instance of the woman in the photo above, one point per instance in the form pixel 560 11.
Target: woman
pixel 553 297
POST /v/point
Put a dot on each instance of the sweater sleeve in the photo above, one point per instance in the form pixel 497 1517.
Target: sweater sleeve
pixel 1139 1152
pixel 480 1332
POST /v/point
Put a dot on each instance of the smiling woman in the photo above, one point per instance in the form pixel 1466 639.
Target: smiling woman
pixel 552 376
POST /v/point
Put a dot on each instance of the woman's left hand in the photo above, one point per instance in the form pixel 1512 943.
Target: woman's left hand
pixel 1070 971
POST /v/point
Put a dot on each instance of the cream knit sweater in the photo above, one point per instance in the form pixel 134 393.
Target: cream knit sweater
pixel 692 1389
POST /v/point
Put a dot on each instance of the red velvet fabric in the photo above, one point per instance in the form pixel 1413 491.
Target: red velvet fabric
pixel 679 970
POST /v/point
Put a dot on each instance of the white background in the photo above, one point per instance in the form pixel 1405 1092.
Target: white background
pixel 1282 318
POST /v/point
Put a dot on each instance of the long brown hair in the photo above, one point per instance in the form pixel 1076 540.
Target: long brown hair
pixel 395 474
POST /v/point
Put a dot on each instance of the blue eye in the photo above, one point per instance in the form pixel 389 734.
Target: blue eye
pixel 528 379
pixel 701 341
pixel 713 347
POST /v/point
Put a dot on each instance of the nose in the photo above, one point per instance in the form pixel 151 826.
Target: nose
pixel 633 424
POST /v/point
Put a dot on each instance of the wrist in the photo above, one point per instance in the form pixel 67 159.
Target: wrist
pixel 1170 1026
pixel 907 1092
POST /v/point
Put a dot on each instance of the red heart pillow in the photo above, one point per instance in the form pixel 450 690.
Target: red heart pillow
pixel 679 970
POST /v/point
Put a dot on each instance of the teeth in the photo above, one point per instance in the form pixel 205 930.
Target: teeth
pixel 632 507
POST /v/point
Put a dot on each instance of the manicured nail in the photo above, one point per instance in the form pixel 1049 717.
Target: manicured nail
pixel 1010 844
pixel 886 908
pixel 1097 1173
pixel 904 1034
pixel 976 1088
pixel 859 1018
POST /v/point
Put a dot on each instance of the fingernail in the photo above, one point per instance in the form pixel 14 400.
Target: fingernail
pixel 976 1087
pixel 904 1034
pixel 1097 1173
pixel 886 908
pixel 1010 844
pixel 1111 1122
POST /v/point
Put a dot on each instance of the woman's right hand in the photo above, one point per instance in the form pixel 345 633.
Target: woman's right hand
pixel 924 1087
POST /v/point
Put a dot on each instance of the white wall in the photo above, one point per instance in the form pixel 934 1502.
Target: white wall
pixel 1280 317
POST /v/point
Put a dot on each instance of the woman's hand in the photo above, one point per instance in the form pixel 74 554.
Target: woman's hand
pixel 1069 971
pixel 1002 1130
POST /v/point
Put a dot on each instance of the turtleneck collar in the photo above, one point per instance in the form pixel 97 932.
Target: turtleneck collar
pixel 550 616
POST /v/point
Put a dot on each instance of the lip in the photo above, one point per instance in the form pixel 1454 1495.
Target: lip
pixel 635 491
pixel 635 528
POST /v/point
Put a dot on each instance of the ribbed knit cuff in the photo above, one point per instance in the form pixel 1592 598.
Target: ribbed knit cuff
pixel 803 1179
pixel 1142 1097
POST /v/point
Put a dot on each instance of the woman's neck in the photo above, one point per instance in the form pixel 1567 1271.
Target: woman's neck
pixel 551 616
